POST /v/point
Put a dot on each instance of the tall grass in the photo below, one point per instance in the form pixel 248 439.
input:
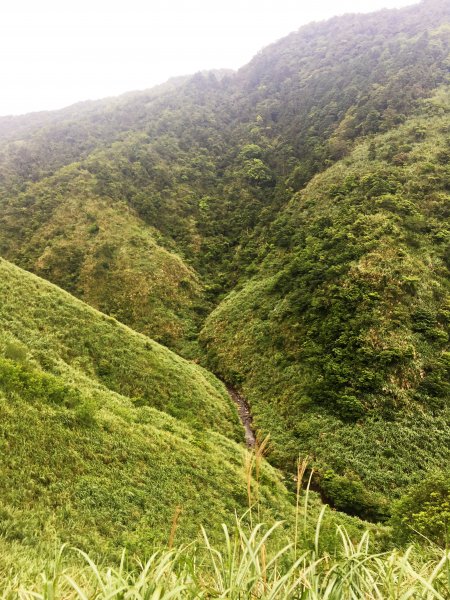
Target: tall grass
pixel 249 564
pixel 252 562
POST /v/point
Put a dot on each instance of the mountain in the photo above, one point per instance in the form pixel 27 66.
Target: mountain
pixel 340 342
pixel 285 226
pixel 210 163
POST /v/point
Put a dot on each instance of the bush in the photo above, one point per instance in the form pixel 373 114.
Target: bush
pixel 350 496
pixel 424 511
pixel 33 385
pixel 16 352
pixel 349 407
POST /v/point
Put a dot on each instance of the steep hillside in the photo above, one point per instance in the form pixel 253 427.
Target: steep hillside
pixel 89 453
pixel 305 200
pixel 98 249
pixel 64 335
pixel 205 165
pixel 340 342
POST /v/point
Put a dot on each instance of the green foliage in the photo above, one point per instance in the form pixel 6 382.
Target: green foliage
pixel 114 264
pixel 305 199
pixel 82 341
pixel 249 564
pixel 250 152
pixel 245 141
pixel 256 172
pixel 424 511
pixel 34 386
pixel 339 340
pixel 89 454
pixel 16 352
pixel 350 496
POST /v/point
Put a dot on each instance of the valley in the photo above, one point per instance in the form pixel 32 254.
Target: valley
pixel 226 301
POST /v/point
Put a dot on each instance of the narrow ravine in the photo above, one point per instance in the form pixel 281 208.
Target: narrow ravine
pixel 245 416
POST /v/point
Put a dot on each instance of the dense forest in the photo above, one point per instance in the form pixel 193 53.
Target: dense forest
pixel 285 230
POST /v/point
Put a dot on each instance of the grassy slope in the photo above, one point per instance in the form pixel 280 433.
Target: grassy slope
pixel 64 334
pixel 87 459
pixel 188 167
pixel 101 251
pixel 340 343
pixel 81 459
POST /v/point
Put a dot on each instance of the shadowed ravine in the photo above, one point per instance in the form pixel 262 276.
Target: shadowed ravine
pixel 245 415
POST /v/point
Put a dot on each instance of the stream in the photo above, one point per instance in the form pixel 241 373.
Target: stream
pixel 245 415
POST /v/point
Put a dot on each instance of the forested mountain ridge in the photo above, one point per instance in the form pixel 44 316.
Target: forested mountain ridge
pixel 210 162
pixel 340 342
pixel 295 212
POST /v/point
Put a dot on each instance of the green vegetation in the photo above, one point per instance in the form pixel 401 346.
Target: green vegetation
pixel 340 343
pixel 251 565
pixel 424 512
pixel 104 254
pixel 88 452
pixel 203 166
pixel 285 226
pixel 70 340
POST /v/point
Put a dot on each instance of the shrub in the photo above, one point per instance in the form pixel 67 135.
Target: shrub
pixel 33 385
pixel 350 496
pixel 16 352
pixel 424 511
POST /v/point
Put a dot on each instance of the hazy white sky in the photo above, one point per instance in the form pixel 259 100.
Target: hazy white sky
pixel 56 52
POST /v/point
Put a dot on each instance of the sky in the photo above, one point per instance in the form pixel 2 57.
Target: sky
pixel 57 52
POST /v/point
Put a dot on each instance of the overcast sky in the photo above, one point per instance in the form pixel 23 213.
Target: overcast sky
pixel 57 52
